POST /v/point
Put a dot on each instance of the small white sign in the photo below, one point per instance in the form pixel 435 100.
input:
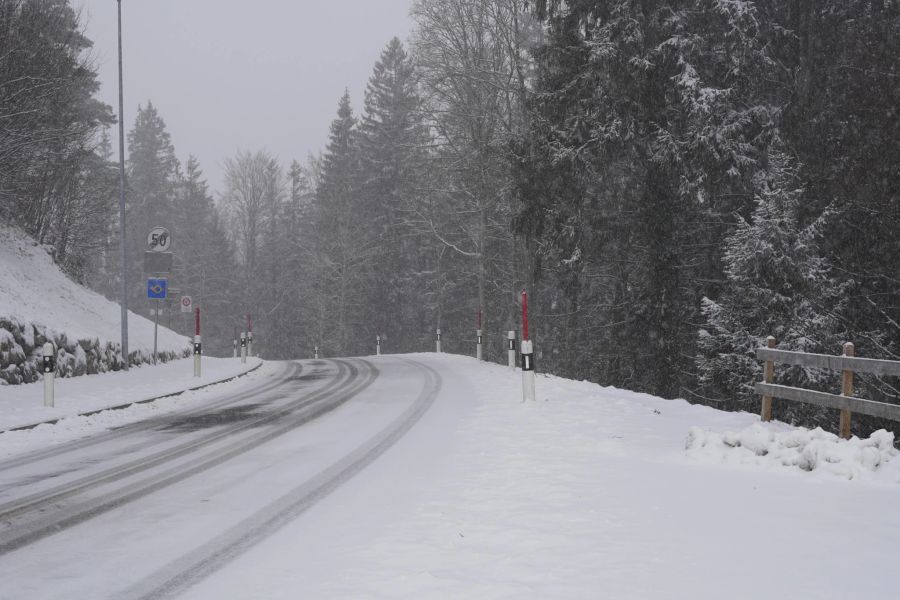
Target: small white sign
pixel 159 239
pixel 186 304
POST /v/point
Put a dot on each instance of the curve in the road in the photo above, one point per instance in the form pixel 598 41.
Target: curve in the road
pixel 187 570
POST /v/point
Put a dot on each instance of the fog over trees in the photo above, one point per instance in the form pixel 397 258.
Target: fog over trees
pixel 671 180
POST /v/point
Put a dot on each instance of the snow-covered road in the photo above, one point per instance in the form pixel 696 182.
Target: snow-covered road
pixel 425 476
pixel 148 509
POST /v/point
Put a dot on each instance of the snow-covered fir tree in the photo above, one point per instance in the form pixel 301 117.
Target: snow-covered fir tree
pixel 778 284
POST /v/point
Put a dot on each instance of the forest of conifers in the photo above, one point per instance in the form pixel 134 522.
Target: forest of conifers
pixel 671 180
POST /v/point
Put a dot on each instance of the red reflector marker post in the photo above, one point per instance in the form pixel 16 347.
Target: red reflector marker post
pixel 197 343
pixel 527 355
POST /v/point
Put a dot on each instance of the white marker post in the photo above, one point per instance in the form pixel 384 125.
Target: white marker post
pixel 49 370
pixel 377 345
pixel 249 335
pixel 437 342
pixel 478 336
pixel 511 338
pixel 243 347
pixel 235 344
pixel 527 355
pixel 317 353
pixel 197 343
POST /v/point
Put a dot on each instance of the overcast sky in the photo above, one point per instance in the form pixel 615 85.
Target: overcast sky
pixel 242 74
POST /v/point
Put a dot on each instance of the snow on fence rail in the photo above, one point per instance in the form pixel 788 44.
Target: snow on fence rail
pixel 845 402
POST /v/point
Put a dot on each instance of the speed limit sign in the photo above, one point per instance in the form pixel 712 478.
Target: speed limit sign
pixel 159 240
pixel 186 304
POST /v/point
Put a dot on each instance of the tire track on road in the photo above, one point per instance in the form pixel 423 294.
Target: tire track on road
pixel 188 570
pixel 31 519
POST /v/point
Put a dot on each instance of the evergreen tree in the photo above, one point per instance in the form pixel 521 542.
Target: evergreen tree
pixel 205 267
pixel 53 177
pixel 660 139
pixel 778 284
pixel 152 175
pixel 392 154
pixel 343 237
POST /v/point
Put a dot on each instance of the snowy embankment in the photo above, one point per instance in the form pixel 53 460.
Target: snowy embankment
pixel 39 303
pixel 22 405
pixel 590 492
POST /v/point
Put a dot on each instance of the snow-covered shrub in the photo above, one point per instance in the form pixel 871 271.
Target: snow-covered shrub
pixel 21 354
pixel 806 449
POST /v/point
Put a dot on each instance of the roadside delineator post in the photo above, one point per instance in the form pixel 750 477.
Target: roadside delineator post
pixel 49 370
pixel 243 347
pixel 846 390
pixel 317 353
pixel 377 345
pixel 478 336
pixel 765 412
pixel 437 341
pixel 527 355
pixel 511 347
pixel 235 344
pixel 197 343
pixel 249 335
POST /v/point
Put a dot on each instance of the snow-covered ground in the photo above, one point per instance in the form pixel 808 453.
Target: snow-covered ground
pixel 33 290
pixel 589 492
pixel 22 405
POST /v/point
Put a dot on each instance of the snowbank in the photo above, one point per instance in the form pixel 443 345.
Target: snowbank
pixel 22 405
pixel 809 450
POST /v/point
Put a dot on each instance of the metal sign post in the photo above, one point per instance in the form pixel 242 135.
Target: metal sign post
pixel 155 330
pixel 157 289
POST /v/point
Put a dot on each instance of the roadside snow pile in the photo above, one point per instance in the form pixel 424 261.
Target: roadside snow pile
pixel 809 450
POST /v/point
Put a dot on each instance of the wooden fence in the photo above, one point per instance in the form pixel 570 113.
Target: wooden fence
pixel 847 363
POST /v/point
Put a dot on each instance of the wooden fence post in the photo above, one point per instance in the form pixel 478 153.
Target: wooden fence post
pixel 846 390
pixel 768 376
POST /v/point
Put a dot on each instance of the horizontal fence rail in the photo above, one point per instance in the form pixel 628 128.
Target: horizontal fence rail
pixel 826 361
pixel 856 405
pixel 845 402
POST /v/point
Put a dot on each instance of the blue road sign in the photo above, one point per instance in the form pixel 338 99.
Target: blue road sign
pixel 157 288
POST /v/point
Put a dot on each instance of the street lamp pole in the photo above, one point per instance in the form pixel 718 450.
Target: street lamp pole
pixel 122 201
